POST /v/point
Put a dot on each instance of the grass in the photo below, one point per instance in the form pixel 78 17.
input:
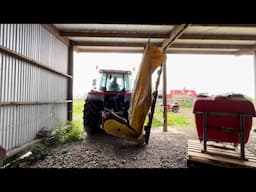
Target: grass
pixel 174 119
pixel 78 107
pixel 71 131
pixel 186 105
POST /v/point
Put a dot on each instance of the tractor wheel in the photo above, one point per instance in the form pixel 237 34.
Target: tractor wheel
pixel 92 116
pixel 175 109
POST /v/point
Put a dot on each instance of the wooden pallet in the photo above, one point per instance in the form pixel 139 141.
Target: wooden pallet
pixel 218 155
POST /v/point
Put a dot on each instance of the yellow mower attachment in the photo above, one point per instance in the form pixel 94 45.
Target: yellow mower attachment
pixel 141 99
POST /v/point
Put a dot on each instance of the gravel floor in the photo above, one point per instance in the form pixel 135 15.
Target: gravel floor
pixel 165 150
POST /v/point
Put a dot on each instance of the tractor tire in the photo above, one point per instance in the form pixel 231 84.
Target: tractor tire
pixel 92 117
pixel 175 109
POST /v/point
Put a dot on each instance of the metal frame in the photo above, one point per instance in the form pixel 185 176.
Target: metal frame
pixel 242 129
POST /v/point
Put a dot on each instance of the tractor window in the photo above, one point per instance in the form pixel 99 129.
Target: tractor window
pixel 115 82
pixel 103 81
pixel 127 82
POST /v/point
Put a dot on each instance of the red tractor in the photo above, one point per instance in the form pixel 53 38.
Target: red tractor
pixel 111 91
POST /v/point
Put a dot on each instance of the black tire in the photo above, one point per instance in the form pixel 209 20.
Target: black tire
pixel 175 109
pixel 92 117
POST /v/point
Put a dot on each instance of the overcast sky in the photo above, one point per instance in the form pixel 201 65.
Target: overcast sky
pixel 214 74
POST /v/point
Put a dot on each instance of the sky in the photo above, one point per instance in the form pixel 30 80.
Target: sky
pixel 212 74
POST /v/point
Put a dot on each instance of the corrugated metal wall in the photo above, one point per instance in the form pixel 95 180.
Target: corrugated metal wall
pixel 21 81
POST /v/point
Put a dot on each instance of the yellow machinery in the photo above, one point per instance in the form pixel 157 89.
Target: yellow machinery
pixel 142 99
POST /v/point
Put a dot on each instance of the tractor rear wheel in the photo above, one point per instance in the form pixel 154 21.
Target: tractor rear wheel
pixel 92 117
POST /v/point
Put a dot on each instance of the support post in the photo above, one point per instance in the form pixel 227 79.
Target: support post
pixel 164 98
pixel 254 65
pixel 70 80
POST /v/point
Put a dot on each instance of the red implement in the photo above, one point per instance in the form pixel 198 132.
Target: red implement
pixel 223 117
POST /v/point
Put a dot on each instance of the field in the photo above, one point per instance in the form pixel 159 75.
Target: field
pixel 183 118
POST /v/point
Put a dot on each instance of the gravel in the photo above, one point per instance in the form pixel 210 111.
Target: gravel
pixel 165 150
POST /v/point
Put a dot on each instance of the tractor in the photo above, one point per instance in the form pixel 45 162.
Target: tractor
pixel 111 91
pixel 119 111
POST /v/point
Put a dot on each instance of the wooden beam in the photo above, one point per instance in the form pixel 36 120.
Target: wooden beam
pixel 70 81
pixel 53 30
pixel 224 25
pixel 211 46
pixel 106 50
pixel 112 44
pixel 31 61
pixel 218 37
pixel 175 33
pixel 254 71
pixel 33 103
pixel 165 97
pixel 112 34
pixel 177 51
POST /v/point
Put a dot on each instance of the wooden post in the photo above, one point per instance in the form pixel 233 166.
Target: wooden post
pixel 164 98
pixel 254 65
pixel 70 80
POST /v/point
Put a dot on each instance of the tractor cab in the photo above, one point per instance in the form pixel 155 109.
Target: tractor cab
pixel 113 81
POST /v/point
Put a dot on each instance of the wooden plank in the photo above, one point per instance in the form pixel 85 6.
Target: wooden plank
pixel 225 150
pixel 219 160
pixel 218 157
pixel 229 155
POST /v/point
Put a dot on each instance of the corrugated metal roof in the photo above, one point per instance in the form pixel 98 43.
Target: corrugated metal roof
pixel 233 39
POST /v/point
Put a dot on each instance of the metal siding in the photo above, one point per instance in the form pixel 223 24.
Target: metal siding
pixel 23 82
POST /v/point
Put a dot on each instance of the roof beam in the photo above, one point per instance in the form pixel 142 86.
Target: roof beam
pixel 112 34
pixel 53 30
pixel 115 50
pixel 225 25
pixel 175 33
pixel 214 46
pixel 198 51
pixel 111 44
pixel 218 37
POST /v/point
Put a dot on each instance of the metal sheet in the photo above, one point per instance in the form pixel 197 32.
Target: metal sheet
pixel 22 82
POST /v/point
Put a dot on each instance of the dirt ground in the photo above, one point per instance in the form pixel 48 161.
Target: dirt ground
pixel 165 150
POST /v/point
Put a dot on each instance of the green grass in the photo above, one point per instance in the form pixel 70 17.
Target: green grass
pixel 174 119
pixel 68 132
pixel 78 107
pixel 186 105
